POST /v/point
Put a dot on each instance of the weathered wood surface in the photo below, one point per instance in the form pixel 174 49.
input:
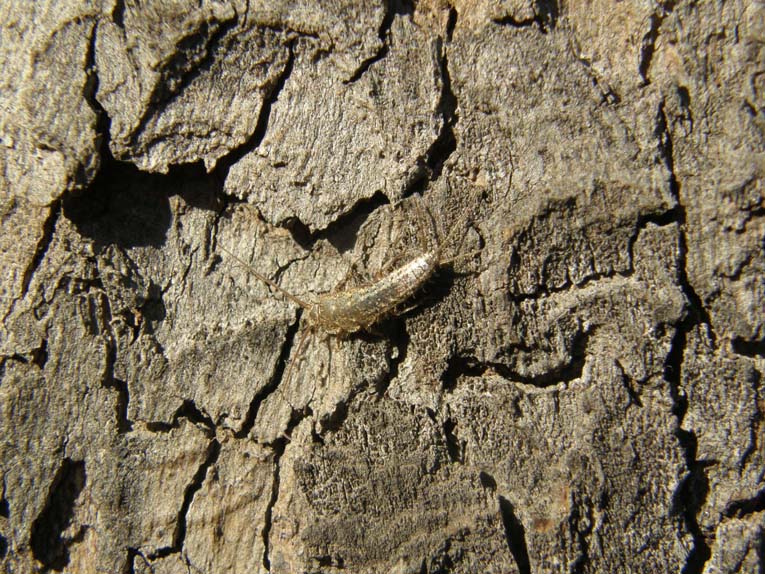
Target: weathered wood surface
pixel 584 395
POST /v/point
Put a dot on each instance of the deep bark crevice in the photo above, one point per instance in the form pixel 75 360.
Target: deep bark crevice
pixel 487 481
pixel 399 336
pixel 453 445
pixel 278 446
pixel 118 13
pixel 468 366
pixel 124 424
pixel 39 355
pixel 446 142
pixel 188 411
pixel 5 506
pixel 451 24
pixel 745 507
pixel 751 349
pixel 632 392
pixel 122 206
pixel 515 535
pixel 46 541
pixel 341 233
pixel 5 513
pixel 430 166
pixel 692 491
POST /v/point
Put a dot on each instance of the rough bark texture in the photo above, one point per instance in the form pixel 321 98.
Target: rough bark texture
pixel 585 394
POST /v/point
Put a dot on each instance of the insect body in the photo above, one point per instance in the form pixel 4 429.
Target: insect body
pixel 357 309
pixel 344 312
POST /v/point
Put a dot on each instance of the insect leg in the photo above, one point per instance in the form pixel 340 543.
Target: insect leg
pixel 329 358
pixel 353 275
pixel 424 214
pixel 298 350
pixel 462 256
pixel 268 281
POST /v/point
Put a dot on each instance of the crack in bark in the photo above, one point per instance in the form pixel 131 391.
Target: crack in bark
pixel 5 512
pixel 132 554
pixel 451 24
pixel 747 348
pixel 46 541
pixel 273 383
pixel 343 231
pixel 511 21
pixel 648 43
pixel 755 423
pixel 271 96
pixel 446 142
pixel 189 411
pixel 43 244
pixel 632 392
pixel 40 354
pixel 546 14
pixel 661 219
pixel 515 535
pixel 278 446
pixel 467 366
pixel 118 14
pixel 691 493
pixel 179 536
pixel 453 446
pixel 401 339
pixel 431 164
pixel 383 34
pixel 744 507
pixel 177 72
pixel 268 517
pixel 124 424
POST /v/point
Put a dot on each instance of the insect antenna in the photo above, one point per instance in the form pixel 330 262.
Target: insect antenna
pixel 268 281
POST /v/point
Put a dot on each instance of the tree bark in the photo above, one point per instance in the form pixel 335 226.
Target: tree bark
pixel 578 388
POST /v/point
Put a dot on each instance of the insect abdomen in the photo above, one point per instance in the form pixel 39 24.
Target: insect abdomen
pixel 358 309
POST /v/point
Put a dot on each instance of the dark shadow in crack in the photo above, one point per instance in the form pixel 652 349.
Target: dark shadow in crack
pixel 179 536
pixel 515 534
pixel 130 208
pixel 123 206
pixel 48 545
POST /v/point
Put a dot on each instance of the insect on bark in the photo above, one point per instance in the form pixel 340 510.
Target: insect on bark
pixel 344 312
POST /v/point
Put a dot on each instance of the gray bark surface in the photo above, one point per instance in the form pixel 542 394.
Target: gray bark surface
pixel 579 388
